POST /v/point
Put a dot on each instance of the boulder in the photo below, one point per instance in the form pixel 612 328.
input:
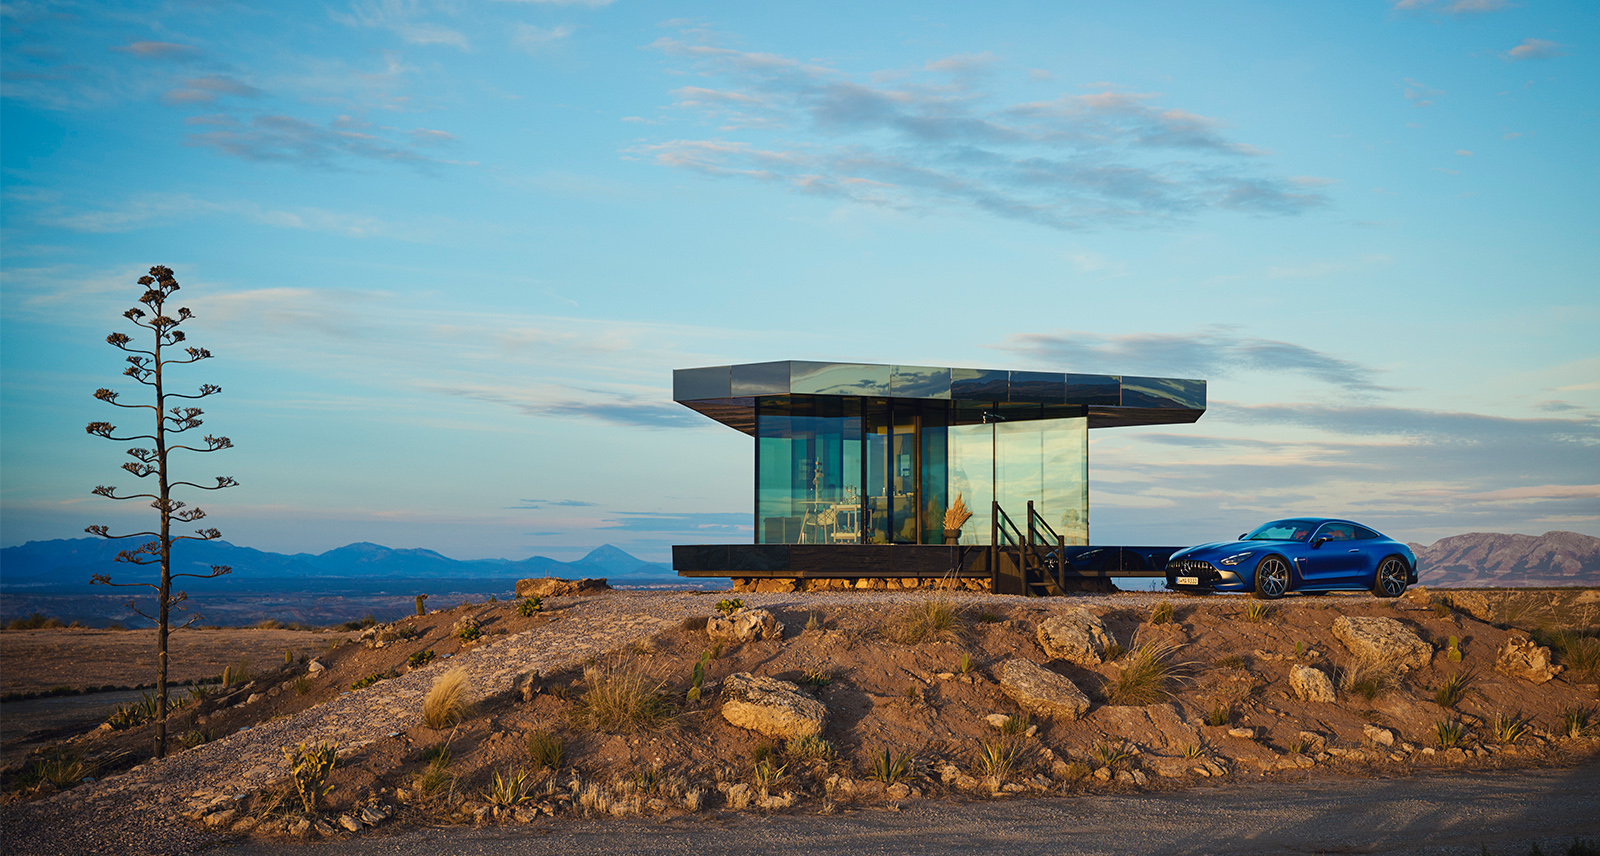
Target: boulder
pixel 771 707
pixel 1382 640
pixel 1310 683
pixel 1523 658
pixel 556 587
pixel 1075 635
pixel 1038 690
pixel 745 625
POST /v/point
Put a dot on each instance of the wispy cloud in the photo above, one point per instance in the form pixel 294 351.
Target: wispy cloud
pixel 1420 94
pixel 535 40
pixel 1536 49
pixel 539 504
pixel 714 523
pixel 205 90
pixel 1457 7
pixel 935 137
pixel 1213 352
pixel 289 139
pixel 404 19
pixel 171 51
pixel 147 212
pixel 593 4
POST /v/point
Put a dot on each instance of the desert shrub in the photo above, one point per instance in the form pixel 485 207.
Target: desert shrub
pixel 813 621
pixel 197 737
pixel 373 678
pixel 1510 727
pixel 767 774
pixel 468 632
pixel 1147 677
pixel 527 606
pixel 302 685
pixel 728 606
pixel 1580 653
pixel 621 697
pixel 964 665
pixel 812 748
pixel 695 623
pixel 545 750
pixel 1111 754
pixel 1449 732
pixel 1002 756
pixel 269 624
pixel 36 621
pixel 309 770
pixel 1220 714
pixel 987 617
pixel 446 704
pixel 1454 689
pixel 935 618
pixel 1366 679
pixel 1162 614
pixel 135 713
pixel 62 770
pixel 1232 661
pixel 889 767
pixel 506 790
pixel 434 776
pixel 816 677
pixel 1575 721
pixel 237 673
pixel 421 658
pixel 361 624
pixel 1257 611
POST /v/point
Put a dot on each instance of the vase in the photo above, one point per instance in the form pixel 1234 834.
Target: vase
pixel 952 536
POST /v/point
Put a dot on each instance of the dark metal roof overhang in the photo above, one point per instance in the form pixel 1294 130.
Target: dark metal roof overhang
pixel 728 393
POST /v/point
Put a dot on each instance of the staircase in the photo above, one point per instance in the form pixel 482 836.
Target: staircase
pixel 1025 561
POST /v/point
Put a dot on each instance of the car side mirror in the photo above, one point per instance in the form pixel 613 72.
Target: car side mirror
pixel 1243 535
pixel 1319 542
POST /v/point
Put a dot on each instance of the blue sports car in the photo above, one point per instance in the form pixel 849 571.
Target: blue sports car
pixel 1311 555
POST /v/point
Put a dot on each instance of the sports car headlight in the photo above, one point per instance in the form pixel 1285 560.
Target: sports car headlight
pixel 1236 558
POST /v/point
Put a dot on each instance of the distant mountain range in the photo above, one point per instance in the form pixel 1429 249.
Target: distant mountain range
pixel 1490 559
pixel 39 566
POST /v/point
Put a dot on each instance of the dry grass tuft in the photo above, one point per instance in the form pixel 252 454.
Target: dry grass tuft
pixel 446 705
pixel 621 698
pixel 1147 677
pixel 1368 680
pixel 935 618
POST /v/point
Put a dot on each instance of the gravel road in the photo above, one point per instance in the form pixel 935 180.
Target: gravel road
pixel 1436 815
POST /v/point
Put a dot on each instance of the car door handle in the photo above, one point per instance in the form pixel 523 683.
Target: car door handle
pixel 1355 551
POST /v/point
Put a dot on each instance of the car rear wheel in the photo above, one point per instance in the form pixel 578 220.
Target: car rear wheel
pixel 1391 578
pixel 1272 578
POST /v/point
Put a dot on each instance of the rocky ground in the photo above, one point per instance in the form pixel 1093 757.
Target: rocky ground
pixel 819 702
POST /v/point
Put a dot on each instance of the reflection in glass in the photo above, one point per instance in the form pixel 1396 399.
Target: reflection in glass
pixel 808 472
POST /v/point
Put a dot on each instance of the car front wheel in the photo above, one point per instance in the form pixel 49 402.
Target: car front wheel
pixel 1272 578
pixel 1391 578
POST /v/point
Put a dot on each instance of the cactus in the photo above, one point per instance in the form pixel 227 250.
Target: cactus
pixel 1455 649
pixel 420 599
pixel 699 676
pixel 227 676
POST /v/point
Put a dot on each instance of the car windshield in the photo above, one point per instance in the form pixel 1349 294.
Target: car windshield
pixel 1283 530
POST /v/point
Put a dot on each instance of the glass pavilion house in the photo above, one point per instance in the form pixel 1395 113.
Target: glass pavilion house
pixel 852 458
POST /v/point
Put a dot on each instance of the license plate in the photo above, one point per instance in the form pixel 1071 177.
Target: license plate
pixel 1188 581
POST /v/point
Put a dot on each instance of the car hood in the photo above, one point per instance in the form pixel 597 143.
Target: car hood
pixel 1223 549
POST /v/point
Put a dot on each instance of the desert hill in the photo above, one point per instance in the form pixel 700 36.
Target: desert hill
pixel 1482 559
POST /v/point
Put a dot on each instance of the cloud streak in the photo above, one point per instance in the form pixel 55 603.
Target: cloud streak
pixel 935 138
pixel 1213 352
pixel 1536 49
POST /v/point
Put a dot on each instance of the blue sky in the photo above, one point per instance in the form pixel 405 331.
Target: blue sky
pixel 448 253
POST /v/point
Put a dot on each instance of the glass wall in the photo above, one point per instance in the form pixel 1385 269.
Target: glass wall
pixel 808 471
pixel 844 470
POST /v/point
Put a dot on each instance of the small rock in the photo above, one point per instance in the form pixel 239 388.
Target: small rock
pixel 739 796
pixel 1311 684
pixel 373 815
pixel 898 791
pixel 1428 750
pixel 1215 768
pixel 1456 755
pixel 1522 658
pixel 349 823
pixel 1379 736
pixel 1242 732
pixel 254 697
pixel 745 625
pixel 245 825
pixel 998 720
pixel 1075 635
pixel 1103 774
pixel 220 819
pixel 1382 640
pixel 1201 771
pixel 315 667
pixel 1041 691
pixel 300 828
pixel 1139 778
pixel 771 707
pixel 524 814
pixel 323 828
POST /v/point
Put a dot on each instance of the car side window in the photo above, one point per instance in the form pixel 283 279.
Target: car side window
pixel 1365 534
pixel 1338 532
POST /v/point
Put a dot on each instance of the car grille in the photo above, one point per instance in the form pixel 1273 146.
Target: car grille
pixel 1190 567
